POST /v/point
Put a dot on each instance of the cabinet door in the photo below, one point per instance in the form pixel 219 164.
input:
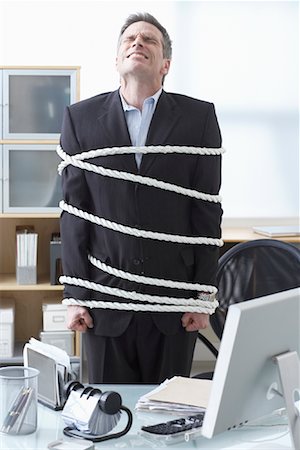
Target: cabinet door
pixel 31 180
pixel 34 102
pixel 1 106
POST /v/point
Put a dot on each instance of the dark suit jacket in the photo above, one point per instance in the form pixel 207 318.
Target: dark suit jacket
pixel 99 122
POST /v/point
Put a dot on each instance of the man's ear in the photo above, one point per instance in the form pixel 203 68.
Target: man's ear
pixel 166 66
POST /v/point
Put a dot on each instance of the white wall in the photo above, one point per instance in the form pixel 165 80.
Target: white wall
pixel 241 55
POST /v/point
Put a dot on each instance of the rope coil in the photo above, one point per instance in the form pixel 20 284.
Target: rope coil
pixel 76 161
pixel 140 307
pixel 149 280
pixel 135 231
pixel 205 302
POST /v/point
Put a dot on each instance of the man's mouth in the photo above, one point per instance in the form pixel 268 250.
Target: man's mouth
pixel 138 54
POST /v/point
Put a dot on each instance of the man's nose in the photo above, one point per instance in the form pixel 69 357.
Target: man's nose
pixel 138 41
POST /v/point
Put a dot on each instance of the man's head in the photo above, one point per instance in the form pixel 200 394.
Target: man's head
pixel 146 17
pixel 144 49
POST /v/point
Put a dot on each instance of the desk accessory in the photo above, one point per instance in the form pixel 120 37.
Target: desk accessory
pixel 17 410
pixel 18 400
pixel 55 258
pixel 54 366
pixel 91 414
pixel 26 255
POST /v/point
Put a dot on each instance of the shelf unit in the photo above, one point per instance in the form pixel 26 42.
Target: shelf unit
pixel 28 299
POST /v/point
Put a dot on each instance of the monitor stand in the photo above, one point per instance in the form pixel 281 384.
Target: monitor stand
pixel 289 372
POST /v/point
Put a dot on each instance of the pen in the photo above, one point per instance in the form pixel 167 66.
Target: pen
pixel 25 409
pixel 16 409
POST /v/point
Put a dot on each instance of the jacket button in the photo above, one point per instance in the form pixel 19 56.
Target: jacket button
pixel 136 261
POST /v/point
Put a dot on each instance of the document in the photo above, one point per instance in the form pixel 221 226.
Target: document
pixel 179 394
pixel 27 249
pixel 278 231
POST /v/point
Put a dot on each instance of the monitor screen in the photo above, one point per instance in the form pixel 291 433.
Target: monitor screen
pixel 246 373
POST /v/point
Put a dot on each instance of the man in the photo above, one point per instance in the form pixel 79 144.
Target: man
pixel 116 196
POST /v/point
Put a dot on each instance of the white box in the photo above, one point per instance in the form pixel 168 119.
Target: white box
pixel 62 339
pixel 7 328
pixel 54 317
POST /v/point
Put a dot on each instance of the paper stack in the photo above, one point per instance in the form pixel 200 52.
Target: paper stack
pixel 179 394
pixel 26 264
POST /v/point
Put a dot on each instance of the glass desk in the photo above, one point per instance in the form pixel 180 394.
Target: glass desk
pixel 269 434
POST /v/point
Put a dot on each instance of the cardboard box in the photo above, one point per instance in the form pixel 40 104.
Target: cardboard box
pixel 61 339
pixel 54 317
pixel 7 328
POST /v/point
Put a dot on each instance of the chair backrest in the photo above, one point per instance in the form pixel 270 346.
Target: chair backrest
pixel 254 269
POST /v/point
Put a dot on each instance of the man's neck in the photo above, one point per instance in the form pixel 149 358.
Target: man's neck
pixel 135 92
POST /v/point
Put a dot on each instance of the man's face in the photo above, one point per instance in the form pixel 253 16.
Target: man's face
pixel 140 52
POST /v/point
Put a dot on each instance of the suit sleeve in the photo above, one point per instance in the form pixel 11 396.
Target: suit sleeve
pixel 74 231
pixel 206 216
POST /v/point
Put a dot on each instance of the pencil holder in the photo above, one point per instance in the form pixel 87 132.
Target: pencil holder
pixel 18 400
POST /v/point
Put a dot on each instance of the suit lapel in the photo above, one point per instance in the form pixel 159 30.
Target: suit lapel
pixel 114 131
pixel 165 118
pixel 112 123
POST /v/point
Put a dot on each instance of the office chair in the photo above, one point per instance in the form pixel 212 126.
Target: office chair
pixel 249 270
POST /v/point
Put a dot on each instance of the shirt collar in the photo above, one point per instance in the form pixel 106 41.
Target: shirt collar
pixel 127 107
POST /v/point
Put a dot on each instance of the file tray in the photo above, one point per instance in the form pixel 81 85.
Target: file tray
pixel 26 274
pixel 55 371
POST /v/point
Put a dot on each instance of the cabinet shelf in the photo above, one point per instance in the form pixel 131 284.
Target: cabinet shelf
pixel 29 215
pixel 8 283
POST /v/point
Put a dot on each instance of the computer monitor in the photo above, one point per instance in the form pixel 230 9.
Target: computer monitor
pixel 246 376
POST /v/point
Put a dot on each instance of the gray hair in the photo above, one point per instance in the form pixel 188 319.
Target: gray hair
pixel 146 17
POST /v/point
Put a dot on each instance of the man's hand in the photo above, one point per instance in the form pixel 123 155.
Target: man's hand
pixel 78 318
pixel 195 321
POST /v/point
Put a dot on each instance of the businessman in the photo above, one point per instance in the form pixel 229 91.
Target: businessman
pixel 127 235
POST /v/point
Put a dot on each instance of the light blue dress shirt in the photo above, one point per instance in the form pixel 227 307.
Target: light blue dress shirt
pixel 138 122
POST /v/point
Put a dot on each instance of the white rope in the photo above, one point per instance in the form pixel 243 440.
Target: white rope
pixel 153 182
pixel 206 301
pixel 135 231
pixel 138 307
pixel 133 295
pixel 165 149
pixel 149 280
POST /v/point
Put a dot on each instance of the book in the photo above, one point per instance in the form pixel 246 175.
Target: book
pixel 278 231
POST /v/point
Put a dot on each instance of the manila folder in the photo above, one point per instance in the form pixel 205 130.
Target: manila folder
pixel 185 391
